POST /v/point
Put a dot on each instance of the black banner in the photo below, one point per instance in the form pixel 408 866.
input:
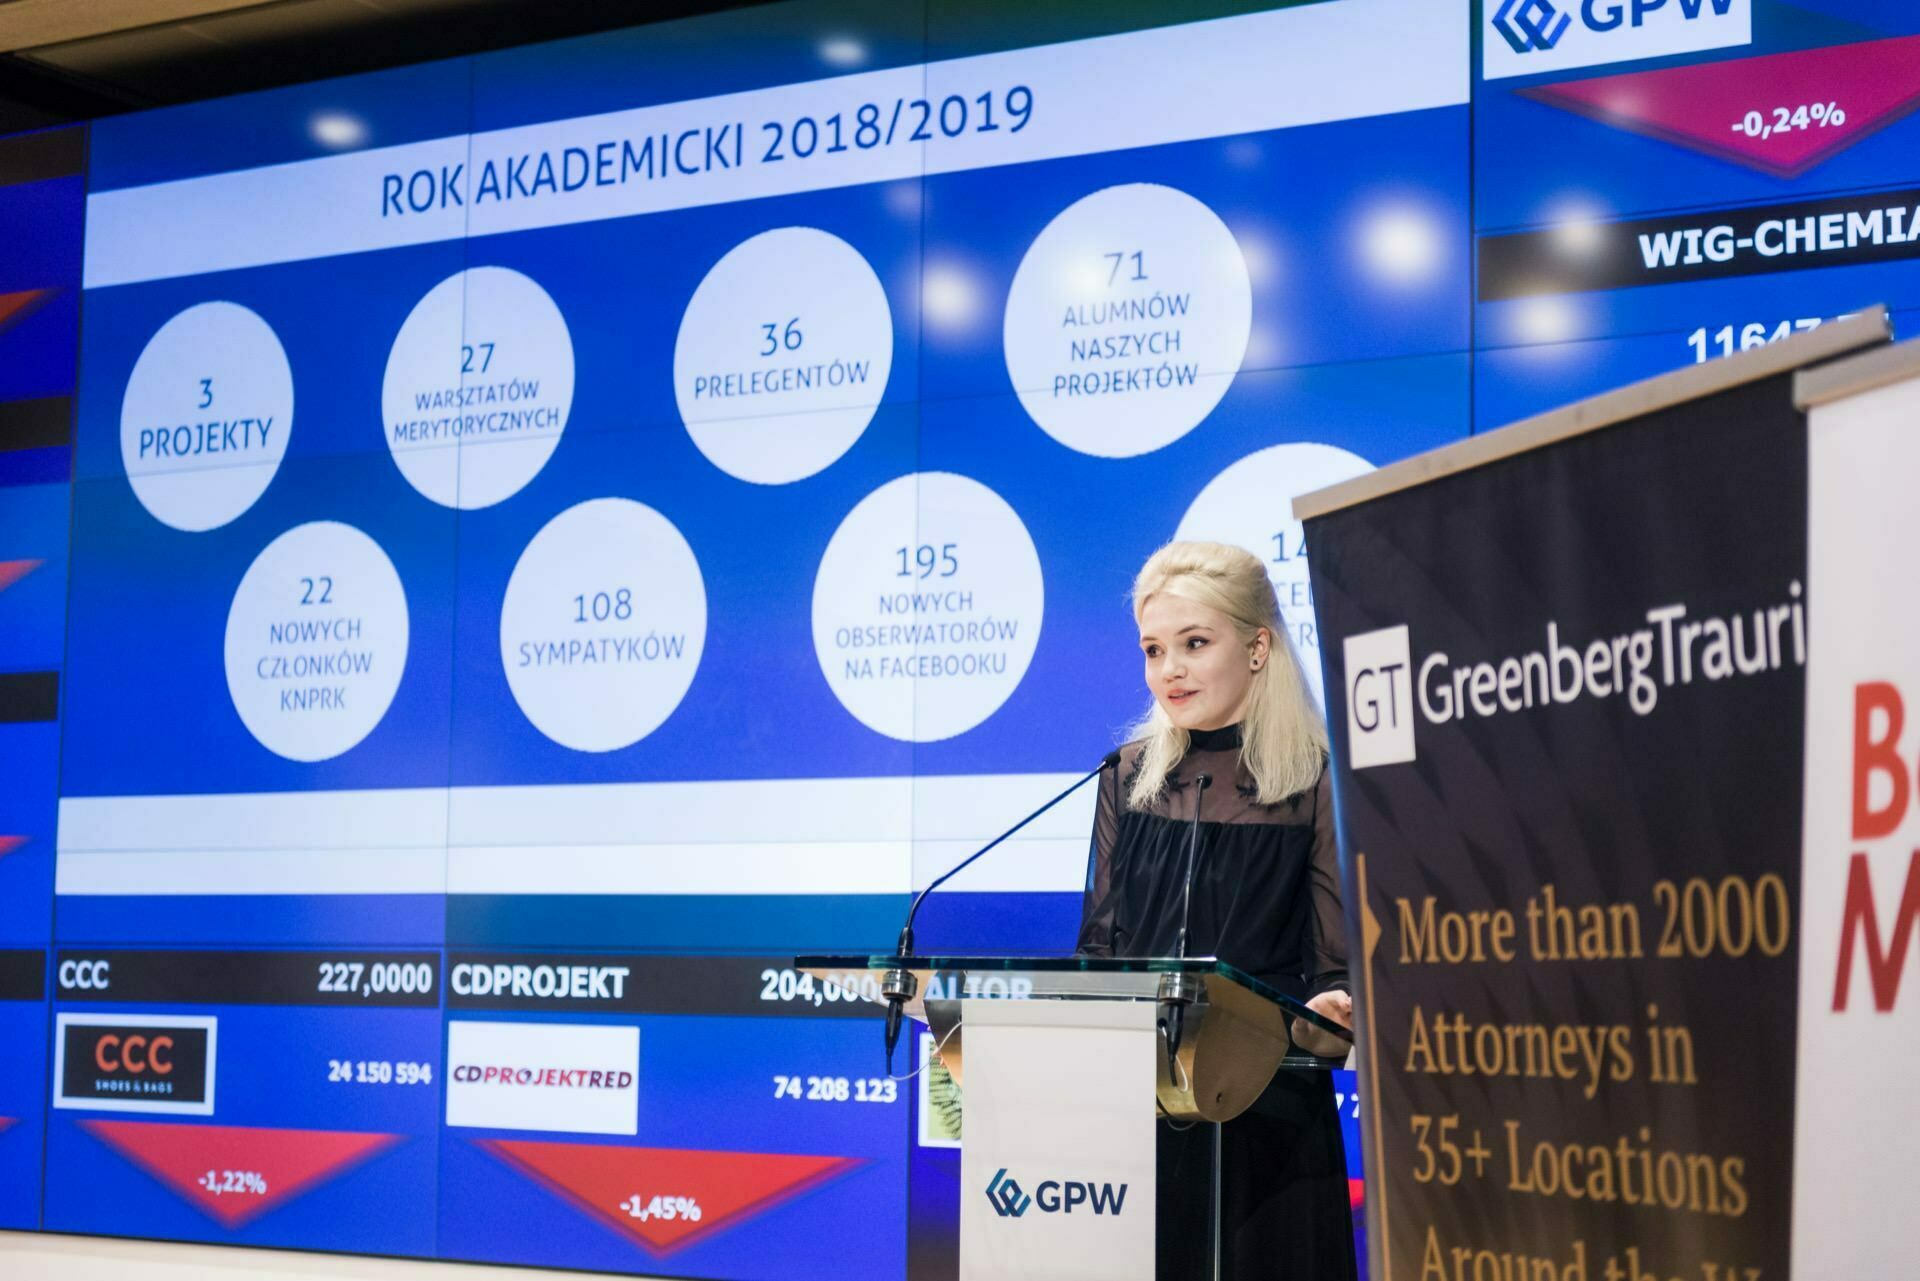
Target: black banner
pixel 1702 245
pixel 361 979
pixel 749 985
pixel 23 974
pixel 1565 692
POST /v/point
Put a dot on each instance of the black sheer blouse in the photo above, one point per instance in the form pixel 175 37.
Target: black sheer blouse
pixel 1266 885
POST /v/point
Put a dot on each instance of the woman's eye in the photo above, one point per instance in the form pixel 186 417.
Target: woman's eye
pixel 1195 642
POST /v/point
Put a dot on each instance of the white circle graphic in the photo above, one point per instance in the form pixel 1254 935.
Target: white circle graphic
pixel 1250 505
pixel 1127 320
pixel 927 606
pixel 478 387
pixel 316 641
pixel 206 416
pixel 783 355
pixel 603 624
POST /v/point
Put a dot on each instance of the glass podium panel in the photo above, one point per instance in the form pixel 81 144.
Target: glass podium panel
pixel 1196 983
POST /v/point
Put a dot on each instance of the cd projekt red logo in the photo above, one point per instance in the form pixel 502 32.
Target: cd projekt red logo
pixel 567 1078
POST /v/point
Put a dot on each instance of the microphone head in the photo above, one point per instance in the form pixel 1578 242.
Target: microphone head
pixel 1205 781
pixel 1111 759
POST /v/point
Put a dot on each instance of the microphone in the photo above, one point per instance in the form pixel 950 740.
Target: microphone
pixel 898 985
pixel 1173 1015
pixel 1193 850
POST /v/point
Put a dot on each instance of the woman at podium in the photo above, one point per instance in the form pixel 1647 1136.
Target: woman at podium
pixel 1232 755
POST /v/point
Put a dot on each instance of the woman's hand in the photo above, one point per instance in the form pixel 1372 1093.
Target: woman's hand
pixel 1337 1006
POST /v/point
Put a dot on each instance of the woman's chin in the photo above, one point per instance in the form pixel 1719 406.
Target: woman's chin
pixel 1186 716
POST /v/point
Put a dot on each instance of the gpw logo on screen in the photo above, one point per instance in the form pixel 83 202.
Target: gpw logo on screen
pixel 1528 37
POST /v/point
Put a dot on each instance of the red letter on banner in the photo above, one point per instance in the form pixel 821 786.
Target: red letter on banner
pixel 1881 757
pixel 1883 968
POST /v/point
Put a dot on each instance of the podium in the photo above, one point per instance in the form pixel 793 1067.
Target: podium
pixel 1066 1066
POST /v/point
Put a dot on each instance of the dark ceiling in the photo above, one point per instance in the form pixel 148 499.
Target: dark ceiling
pixel 68 60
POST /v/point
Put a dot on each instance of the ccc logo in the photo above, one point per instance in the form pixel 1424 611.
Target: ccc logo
pixel 84 975
pixel 135 1055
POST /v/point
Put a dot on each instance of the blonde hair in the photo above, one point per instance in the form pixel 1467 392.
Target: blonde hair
pixel 1283 740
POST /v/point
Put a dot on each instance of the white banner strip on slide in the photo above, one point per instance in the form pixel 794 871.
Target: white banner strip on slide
pixel 260 871
pixel 1219 78
pixel 1047 866
pixel 252 217
pixel 977 807
pixel 777 811
pixel 775 836
pixel 396 818
pixel 772 811
pixel 710 867
pixel 1855 1200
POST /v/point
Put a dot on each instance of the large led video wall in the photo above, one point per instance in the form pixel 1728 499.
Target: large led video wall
pixel 539 539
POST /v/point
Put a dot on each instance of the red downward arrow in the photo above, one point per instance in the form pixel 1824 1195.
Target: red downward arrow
pixel 6 1123
pixel 236 1173
pixel 1773 113
pixel 665 1198
pixel 8 844
pixel 12 571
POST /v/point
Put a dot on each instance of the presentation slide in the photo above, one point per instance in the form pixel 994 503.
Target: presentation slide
pixel 256 1097
pixel 537 568
pixel 1629 222
pixel 23 1077
pixel 498 556
pixel 693 524
pixel 719 1120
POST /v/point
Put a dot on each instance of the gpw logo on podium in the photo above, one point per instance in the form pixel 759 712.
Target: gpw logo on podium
pixel 1005 1196
pixel 1529 37
pixel 1055 1196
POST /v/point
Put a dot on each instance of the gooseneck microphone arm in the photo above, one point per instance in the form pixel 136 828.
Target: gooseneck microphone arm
pixel 906 931
pixel 899 985
pixel 1174 996
pixel 1193 851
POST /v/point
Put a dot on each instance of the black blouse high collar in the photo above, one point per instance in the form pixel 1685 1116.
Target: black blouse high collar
pixel 1213 740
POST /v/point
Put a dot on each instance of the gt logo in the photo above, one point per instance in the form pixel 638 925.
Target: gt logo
pixel 1379 698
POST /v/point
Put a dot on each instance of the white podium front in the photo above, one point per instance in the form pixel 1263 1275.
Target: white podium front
pixel 1063 1082
pixel 1057 1165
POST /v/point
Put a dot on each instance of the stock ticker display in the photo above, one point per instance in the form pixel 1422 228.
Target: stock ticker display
pixel 533 541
